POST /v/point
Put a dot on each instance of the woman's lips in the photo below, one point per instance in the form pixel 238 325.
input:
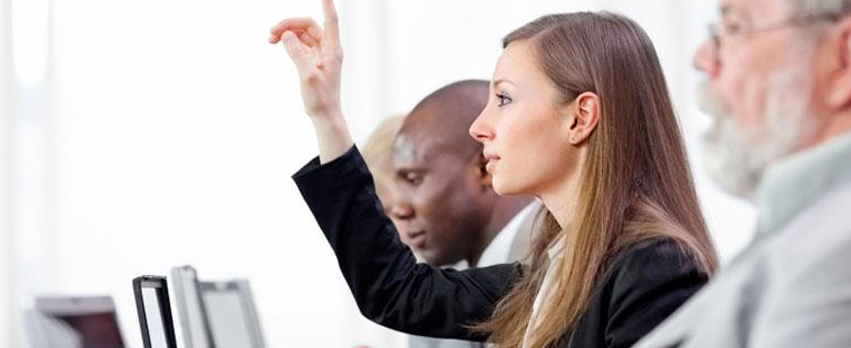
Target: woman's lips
pixel 491 165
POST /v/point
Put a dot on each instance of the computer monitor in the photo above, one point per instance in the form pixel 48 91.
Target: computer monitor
pixel 73 321
pixel 216 314
pixel 154 310
pixel 231 314
pixel 190 309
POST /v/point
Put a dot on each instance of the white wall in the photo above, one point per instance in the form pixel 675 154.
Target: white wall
pixel 6 312
pixel 175 128
pixel 30 266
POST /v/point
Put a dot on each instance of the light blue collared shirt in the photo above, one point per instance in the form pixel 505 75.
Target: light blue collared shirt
pixel 799 180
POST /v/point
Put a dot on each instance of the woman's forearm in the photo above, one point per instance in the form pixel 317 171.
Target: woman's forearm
pixel 332 136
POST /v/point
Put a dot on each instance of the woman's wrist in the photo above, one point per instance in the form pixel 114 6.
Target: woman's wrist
pixel 332 135
pixel 325 117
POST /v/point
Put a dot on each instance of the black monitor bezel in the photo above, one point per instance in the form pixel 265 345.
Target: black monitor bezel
pixel 160 284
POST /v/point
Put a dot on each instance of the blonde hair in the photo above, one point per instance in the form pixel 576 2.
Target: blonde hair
pixel 377 151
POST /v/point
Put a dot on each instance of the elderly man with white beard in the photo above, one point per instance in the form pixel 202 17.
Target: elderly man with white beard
pixel 778 84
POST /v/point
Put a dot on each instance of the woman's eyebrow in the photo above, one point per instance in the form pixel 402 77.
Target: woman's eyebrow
pixel 501 81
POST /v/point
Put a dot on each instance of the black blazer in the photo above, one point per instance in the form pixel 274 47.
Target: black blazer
pixel 643 286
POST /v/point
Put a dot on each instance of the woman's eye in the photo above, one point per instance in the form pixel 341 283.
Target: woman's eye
pixel 503 99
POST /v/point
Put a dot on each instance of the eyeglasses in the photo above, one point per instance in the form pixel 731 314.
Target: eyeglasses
pixel 721 29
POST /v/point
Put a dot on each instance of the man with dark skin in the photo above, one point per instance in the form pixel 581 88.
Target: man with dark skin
pixel 444 197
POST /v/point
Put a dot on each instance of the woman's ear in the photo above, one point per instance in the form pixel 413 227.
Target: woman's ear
pixel 584 115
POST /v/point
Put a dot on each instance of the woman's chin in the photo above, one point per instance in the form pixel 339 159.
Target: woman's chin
pixel 504 189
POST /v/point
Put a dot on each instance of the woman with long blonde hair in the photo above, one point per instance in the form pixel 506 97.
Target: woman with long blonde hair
pixel 579 116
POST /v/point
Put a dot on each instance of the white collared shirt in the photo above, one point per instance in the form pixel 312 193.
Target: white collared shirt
pixel 499 249
pixel 550 279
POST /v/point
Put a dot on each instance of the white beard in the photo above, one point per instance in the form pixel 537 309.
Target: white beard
pixel 735 159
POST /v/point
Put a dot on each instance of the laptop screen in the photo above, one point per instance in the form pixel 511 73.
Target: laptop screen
pixel 231 314
pixel 88 322
pixel 228 320
pixel 95 330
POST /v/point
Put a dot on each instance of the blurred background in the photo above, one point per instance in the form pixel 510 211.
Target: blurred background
pixel 140 135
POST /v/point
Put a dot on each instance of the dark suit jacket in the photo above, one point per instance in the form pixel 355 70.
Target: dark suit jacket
pixel 642 287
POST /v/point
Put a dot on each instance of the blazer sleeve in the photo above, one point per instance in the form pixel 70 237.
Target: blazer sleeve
pixel 389 286
pixel 647 285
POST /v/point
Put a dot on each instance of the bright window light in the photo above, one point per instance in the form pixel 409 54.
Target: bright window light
pixel 30 28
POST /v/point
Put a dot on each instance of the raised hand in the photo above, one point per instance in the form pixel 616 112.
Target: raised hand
pixel 318 57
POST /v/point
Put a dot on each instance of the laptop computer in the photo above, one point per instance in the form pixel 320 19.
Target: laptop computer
pixel 72 321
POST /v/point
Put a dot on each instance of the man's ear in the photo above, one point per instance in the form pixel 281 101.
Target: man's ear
pixel 584 114
pixel 839 95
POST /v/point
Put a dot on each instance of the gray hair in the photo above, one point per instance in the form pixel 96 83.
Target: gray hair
pixel 818 7
pixel 811 34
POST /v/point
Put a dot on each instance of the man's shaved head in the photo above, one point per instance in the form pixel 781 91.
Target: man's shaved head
pixel 445 116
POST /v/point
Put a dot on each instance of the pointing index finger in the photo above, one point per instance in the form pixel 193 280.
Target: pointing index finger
pixel 332 29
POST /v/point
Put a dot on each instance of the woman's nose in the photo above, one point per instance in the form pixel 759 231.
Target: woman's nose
pixel 480 130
